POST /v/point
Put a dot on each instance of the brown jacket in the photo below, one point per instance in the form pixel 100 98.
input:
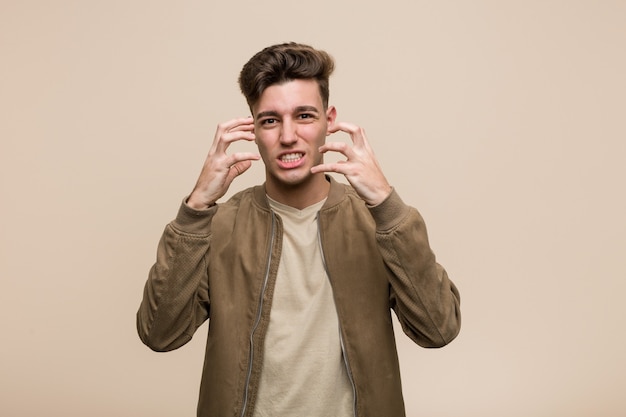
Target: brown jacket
pixel 222 262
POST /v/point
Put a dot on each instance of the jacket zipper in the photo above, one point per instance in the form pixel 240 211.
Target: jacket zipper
pixel 341 341
pixel 258 317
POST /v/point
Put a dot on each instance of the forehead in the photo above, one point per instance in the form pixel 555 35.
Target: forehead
pixel 287 96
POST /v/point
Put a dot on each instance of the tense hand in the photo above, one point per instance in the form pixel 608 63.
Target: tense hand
pixel 360 168
pixel 220 169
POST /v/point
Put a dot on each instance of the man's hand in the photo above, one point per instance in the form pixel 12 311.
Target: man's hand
pixel 220 169
pixel 360 168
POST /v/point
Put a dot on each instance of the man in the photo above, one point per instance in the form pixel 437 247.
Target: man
pixel 298 275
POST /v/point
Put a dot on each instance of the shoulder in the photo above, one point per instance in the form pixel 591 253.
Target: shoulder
pixel 343 200
pixel 341 193
pixel 239 197
pixel 253 198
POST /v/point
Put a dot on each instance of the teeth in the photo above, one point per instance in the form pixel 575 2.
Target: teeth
pixel 290 157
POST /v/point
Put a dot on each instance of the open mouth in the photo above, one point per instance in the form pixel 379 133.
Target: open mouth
pixel 291 157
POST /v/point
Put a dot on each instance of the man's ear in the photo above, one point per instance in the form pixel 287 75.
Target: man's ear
pixel 331 118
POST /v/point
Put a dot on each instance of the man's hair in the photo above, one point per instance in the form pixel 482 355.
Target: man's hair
pixel 280 63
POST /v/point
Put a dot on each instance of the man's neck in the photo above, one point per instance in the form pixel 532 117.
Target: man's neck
pixel 299 196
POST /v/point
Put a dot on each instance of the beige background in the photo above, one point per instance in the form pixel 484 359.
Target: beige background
pixel 502 121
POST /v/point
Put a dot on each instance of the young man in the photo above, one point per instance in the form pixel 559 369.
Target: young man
pixel 296 276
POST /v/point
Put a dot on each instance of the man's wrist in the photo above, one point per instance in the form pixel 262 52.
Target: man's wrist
pixel 381 197
pixel 198 204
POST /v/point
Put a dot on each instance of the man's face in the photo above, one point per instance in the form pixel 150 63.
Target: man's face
pixel 290 125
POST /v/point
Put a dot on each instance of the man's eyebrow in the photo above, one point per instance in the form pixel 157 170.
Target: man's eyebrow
pixel 267 113
pixel 299 109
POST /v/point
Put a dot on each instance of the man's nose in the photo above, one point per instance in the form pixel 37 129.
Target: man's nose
pixel 288 134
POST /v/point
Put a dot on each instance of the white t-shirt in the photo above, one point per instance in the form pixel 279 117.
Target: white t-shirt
pixel 303 372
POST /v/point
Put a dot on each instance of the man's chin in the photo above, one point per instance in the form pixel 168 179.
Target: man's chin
pixel 297 178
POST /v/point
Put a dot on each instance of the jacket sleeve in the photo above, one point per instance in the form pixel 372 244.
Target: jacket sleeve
pixel 176 295
pixel 426 302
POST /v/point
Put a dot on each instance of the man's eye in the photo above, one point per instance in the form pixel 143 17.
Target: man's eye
pixel 268 121
pixel 305 116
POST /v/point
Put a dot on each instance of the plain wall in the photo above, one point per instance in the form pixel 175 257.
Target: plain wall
pixel 503 122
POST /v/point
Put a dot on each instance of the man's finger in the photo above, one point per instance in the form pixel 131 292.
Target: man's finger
pixel 357 134
pixel 242 158
pixel 338 167
pixel 230 131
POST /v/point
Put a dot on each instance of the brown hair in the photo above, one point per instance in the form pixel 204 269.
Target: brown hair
pixel 285 62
